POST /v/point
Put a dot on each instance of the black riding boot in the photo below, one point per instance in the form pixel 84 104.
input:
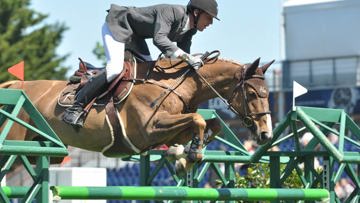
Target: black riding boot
pixel 94 87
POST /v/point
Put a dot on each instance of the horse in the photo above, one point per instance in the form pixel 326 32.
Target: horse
pixel 160 110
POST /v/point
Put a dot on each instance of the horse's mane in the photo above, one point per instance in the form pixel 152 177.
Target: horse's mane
pixel 231 61
pixel 173 68
pixel 166 63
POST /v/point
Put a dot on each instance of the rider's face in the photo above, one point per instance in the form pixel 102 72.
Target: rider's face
pixel 204 20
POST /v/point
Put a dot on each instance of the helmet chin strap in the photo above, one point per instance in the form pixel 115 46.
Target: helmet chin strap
pixel 196 18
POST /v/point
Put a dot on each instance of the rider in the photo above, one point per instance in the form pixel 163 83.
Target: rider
pixel 128 27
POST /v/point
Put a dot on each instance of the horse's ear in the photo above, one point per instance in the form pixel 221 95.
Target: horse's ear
pixel 266 66
pixel 251 70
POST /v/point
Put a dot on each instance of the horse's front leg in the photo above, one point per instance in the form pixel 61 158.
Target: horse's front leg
pixel 213 128
pixel 190 126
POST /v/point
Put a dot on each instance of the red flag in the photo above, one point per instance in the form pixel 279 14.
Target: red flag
pixel 17 70
pixel 65 160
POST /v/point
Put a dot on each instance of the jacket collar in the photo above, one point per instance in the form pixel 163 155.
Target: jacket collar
pixel 186 27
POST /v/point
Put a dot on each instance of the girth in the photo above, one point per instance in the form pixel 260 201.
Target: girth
pixel 120 139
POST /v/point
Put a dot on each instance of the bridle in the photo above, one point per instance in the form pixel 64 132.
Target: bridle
pixel 247 118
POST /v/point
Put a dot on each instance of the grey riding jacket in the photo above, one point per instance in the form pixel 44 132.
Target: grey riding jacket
pixel 163 23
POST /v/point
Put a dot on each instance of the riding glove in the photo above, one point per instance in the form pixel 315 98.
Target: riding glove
pixel 194 61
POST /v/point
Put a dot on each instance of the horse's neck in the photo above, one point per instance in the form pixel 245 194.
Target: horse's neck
pixel 194 91
pixel 220 75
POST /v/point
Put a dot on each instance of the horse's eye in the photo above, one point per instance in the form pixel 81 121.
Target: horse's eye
pixel 252 93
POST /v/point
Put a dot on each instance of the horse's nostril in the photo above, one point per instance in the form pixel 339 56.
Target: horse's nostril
pixel 264 138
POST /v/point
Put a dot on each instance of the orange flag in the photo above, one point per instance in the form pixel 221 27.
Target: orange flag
pixel 66 160
pixel 17 70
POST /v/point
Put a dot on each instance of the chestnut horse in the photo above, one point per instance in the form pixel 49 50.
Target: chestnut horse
pixel 161 110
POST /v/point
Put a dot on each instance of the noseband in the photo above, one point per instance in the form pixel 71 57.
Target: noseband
pixel 247 118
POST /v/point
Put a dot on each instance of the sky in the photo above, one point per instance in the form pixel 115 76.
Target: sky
pixel 247 29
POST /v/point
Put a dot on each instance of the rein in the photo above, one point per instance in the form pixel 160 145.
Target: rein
pixel 207 58
pixel 247 118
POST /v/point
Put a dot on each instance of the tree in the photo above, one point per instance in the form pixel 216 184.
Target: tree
pixel 22 37
pixel 99 52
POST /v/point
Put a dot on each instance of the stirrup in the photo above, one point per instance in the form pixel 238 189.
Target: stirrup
pixel 73 117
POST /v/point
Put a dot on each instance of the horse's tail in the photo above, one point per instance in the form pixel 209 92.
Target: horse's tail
pixel 7 84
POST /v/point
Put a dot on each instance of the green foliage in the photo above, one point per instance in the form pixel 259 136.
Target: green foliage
pixel 258 176
pixel 23 36
pixel 100 52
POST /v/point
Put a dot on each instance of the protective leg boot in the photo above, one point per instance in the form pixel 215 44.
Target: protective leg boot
pixel 93 88
pixel 194 150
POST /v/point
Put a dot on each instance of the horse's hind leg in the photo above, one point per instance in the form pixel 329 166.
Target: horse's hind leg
pixel 17 132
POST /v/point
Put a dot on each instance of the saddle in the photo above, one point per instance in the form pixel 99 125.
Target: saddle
pixel 118 89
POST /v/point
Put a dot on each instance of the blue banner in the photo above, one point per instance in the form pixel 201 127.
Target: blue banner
pixel 346 98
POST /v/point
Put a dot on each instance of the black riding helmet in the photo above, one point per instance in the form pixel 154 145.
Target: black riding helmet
pixel 208 6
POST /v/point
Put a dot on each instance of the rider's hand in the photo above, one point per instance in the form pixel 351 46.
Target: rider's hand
pixel 194 61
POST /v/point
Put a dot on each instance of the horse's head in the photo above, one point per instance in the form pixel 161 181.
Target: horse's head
pixel 249 100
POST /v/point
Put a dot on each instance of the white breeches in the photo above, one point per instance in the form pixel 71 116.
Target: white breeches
pixel 114 51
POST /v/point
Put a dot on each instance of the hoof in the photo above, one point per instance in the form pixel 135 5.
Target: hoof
pixel 182 166
pixel 176 152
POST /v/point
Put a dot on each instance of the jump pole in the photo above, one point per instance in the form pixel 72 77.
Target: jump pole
pixel 185 193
